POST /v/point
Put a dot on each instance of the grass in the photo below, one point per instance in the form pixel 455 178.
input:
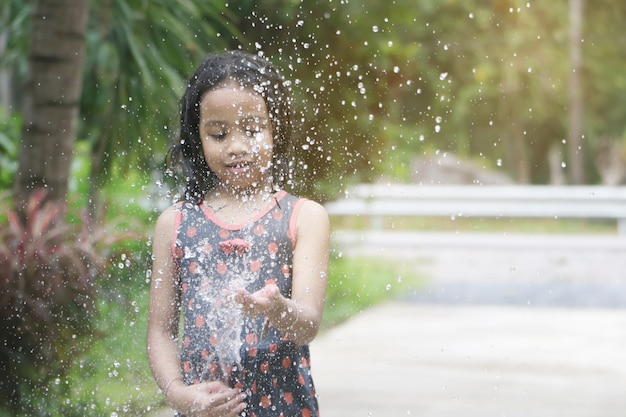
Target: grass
pixel 356 284
pixel 480 225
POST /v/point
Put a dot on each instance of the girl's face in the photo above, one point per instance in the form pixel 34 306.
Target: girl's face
pixel 237 137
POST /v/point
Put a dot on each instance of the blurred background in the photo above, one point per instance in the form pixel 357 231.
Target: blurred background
pixel 433 92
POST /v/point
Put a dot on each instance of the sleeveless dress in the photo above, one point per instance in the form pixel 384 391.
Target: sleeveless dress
pixel 218 342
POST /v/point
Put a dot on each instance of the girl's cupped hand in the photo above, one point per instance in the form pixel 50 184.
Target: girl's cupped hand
pixel 207 399
pixel 259 302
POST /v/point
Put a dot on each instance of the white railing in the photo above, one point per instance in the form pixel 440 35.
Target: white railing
pixel 378 201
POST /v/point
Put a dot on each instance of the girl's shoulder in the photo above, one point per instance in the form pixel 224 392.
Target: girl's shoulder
pixel 168 216
pixel 311 211
pixel 169 219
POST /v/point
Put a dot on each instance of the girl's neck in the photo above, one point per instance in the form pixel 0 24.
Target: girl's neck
pixel 251 195
pixel 237 206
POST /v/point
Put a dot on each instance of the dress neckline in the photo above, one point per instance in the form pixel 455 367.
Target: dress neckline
pixel 269 205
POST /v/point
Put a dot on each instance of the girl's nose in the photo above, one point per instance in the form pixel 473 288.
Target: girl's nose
pixel 239 143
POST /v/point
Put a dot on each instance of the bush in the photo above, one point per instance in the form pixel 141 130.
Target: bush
pixel 48 268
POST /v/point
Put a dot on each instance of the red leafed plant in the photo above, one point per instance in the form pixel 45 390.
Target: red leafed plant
pixel 47 293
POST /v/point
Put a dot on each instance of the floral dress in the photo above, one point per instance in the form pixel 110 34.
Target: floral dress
pixel 218 342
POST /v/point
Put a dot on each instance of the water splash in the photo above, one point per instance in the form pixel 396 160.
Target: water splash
pixel 226 318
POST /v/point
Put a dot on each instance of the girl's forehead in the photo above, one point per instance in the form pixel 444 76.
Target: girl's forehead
pixel 232 99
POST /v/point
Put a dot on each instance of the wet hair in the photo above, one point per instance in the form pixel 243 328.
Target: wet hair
pixel 250 71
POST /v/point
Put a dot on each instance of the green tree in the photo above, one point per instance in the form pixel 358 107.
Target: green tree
pixel 51 98
pixel 139 56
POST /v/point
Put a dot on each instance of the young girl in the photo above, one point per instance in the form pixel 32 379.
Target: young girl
pixel 244 261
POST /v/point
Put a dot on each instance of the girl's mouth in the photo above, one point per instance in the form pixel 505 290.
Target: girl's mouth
pixel 238 167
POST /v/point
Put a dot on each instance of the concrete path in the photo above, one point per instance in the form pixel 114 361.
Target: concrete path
pixel 506 326
pixel 403 359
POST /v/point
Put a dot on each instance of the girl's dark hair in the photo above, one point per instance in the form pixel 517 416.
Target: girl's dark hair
pixel 217 69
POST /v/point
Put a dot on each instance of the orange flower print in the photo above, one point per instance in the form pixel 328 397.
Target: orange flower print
pixel 277 214
pixel 193 267
pixel 186 342
pixel 272 248
pixel 224 233
pixel 251 339
pixel 273 348
pixel 252 352
pixel 207 248
pixel 285 269
pixel 212 340
pixel 213 369
pixel 264 367
pixel 288 398
pixel 186 367
pixel 259 229
pixel 306 412
pixel 191 232
pixel 265 401
pixel 205 354
pixel 286 362
pixel 255 265
pixel 199 321
pixel 221 269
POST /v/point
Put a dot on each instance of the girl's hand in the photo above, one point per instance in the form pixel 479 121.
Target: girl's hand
pixel 207 399
pixel 260 302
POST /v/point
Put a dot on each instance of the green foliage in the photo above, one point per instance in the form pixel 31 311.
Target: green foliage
pixel 139 55
pixel 14 25
pixel 113 376
pixel 9 135
pixel 381 83
pixel 48 272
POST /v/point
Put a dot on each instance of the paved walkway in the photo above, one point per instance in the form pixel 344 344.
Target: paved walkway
pixel 403 359
pixel 506 326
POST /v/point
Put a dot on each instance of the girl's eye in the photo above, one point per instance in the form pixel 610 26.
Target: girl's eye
pixel 218 136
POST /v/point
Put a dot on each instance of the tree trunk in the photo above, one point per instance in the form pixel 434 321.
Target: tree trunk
pixel 51 98
pixel 575 142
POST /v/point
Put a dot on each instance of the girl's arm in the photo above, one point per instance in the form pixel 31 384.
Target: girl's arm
pixel 164 307
pixel 205 399
pixel 310 269
pixel 299 318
